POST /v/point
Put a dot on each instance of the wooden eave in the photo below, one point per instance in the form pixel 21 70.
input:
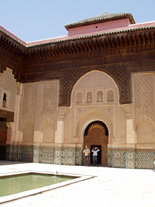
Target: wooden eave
pixel 10 45
pixel 138 40
pixel 123 41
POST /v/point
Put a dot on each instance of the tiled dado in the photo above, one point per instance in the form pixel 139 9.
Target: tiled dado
pixel 116 158
pixel 140 159
pixel 36 154
pixel 120 158
pixel 130 159
pixel 19 153
pixel 145 159
pixel 60 156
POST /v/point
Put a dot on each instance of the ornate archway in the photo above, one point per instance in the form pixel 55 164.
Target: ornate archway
pixel 96 134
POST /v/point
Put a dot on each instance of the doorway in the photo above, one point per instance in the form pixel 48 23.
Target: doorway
pixel 96 135
pixel 3 138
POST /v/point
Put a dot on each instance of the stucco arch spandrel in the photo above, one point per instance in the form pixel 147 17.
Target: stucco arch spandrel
pixel 92 82
pixel 118 72
pixel 144 119
pixel 27 122
pixel 46 122
pixel 87 118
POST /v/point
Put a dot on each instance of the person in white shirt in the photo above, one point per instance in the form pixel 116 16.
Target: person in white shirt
pixel 95 154
pixel 87 154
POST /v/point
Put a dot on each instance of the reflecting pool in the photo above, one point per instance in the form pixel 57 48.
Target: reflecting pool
pixel 18 183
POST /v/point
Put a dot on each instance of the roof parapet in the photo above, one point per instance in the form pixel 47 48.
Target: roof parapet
pixel 101 18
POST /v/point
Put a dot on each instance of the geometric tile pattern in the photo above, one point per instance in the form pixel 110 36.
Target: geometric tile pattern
pixel 46 155
pixel 78 156
pixel 130 159
pixel 27 153
pixel 116 158
pixel 119 159
pixel 144 159
pixel 9 153
pixel 109 159
pixel 50 155
pixel 57 156
pixel 140 159
pixel 19 153
pixel 36 154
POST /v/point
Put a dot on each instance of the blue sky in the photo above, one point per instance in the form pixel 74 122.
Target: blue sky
pixel 33 20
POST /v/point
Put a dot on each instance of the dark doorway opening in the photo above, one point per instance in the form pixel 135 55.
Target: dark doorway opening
pixel 3 138
pixel 99 154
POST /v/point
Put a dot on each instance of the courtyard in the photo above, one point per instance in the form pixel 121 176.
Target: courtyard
pixel 109 186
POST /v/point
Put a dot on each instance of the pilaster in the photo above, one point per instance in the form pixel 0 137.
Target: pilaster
pixel 37 124
pixel 59 135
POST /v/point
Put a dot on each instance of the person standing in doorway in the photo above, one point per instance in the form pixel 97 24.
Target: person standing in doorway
pixel 95 154
pixel 87 154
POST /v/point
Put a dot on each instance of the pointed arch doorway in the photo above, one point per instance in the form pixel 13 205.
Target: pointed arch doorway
pixel 96 135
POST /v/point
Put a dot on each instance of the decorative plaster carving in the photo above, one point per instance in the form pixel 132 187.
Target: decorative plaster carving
pixel 29 100
pixel 10 128
pixel 8 82
pixel 127 108
pixel 143 95
pixel 48 121
pixel 63 111
pixel 10 125
pixel 50 101
pixel 27 122
pixel 145 119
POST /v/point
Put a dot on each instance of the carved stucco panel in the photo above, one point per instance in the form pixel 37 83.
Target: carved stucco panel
pixel 144 95
pixel 50 101
pixel 29 100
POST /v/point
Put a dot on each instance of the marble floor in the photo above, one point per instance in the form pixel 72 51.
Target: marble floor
pixel 108 187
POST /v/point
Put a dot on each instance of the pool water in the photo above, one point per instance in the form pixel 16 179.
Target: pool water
pixel 18 183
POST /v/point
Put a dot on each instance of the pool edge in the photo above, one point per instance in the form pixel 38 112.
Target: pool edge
pixel 36 191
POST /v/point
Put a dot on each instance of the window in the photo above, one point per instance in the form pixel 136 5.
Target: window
pixel 110 96
pixel 79 97
pixel 89 97
pixel 99 96
pixel 4 100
